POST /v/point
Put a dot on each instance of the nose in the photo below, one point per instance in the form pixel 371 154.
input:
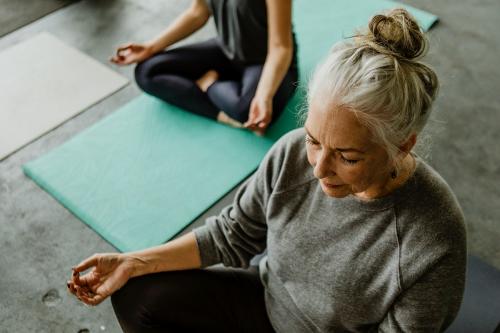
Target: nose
pixel 325 165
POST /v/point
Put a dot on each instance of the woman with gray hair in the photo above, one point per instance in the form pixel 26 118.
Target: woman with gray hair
pixel 362 235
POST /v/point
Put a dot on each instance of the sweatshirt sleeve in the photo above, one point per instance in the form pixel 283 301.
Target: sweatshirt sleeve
pixel 432 302
pixel 239 232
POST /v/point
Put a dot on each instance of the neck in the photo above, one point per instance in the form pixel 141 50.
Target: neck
pixel 389 184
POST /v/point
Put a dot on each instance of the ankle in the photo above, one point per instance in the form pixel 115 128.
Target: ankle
pixel 207 79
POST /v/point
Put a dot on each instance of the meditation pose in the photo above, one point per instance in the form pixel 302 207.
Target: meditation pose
pixel 243 77
pixel 360 233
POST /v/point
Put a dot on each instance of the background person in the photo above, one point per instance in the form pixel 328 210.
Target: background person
pixel 244 77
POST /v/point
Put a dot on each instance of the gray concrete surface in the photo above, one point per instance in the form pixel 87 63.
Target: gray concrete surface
pixel 15 14
pixel 40 240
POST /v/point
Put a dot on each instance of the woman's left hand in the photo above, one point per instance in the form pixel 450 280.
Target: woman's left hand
pixel 259 115
pixel 108 273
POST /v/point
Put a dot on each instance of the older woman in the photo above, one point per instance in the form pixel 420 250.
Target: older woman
pixel 361 234
pixel 244 77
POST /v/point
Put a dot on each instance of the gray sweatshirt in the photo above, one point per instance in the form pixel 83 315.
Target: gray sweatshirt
pixel 393 264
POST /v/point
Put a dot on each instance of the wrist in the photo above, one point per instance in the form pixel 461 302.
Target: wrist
pixel 151 48
pixel 137 265
pixel 266 97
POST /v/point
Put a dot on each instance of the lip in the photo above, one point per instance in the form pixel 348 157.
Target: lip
pixel 332 185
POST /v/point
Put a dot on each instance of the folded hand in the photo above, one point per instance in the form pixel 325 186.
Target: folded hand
pixel 131 53
pixel 259 115
pixel 107 274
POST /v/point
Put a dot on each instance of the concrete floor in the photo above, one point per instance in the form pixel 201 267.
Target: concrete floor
pixel 40 240
pixel 10 19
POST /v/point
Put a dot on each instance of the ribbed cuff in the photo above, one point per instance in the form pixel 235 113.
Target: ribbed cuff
pixel 208 250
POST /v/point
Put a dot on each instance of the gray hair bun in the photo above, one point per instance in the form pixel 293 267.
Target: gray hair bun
pixel 397 33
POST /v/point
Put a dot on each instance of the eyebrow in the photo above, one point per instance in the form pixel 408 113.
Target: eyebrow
pixel 342 150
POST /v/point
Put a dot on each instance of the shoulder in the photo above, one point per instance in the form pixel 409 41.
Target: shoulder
pixel 291 142
pixel 434 199
pixel 286 162
pixel 430 223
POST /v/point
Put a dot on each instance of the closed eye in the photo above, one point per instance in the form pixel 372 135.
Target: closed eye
pixel 311 141
pixel 348 161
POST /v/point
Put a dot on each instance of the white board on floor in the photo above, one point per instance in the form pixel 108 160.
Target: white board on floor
pixel 44 82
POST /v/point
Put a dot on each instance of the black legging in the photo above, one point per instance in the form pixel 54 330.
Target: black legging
pixel 210 300
pixel 171 76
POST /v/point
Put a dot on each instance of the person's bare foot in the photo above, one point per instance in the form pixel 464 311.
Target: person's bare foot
pixel 225 119
pixel 207 79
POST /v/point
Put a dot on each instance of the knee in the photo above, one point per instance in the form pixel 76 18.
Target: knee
pixel 142 75
pixel 119 303
pixel 151 300
pixel 129 310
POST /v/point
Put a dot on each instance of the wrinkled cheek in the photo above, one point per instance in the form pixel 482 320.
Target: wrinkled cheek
pixel 358 184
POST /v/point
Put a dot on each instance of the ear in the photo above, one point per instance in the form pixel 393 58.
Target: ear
pixel 408 145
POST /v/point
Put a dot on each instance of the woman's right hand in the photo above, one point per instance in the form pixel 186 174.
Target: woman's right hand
pixel 108 273
pixel 132 53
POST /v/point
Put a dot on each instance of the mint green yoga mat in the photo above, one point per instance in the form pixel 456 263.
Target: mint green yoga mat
pixel 145 172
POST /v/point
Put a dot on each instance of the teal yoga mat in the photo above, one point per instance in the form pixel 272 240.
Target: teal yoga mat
pixel 145 172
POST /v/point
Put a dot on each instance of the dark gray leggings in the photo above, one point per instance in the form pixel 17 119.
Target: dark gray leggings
pixel 210 300
pixel 171 76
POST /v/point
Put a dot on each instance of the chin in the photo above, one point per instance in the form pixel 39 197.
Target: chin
pixel 338 193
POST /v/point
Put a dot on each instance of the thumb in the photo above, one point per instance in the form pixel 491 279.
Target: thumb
pixel 124 47
pixel 87 263
pixel 252 113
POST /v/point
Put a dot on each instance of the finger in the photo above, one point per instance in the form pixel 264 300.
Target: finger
pixel 89 297
pixel 250 126
pixel 247 124
pixel 118 59
pixel 74 280
pixel 250 123
pixel 259 124
pixel 128 61
pixel 262 124
pixel 89 280
pixel 251 116
pixel 123 54
pixel 253 112
pixel 71 287
pixel 124 47
pixel 264 120
pixel 254 125
pixel 75 290
pixel 97 299
pixel 261 118
pixel 84 299
pixel 76 276
pixel 83 291
pixel 124 59
pixel 93 300
pixel 86 264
